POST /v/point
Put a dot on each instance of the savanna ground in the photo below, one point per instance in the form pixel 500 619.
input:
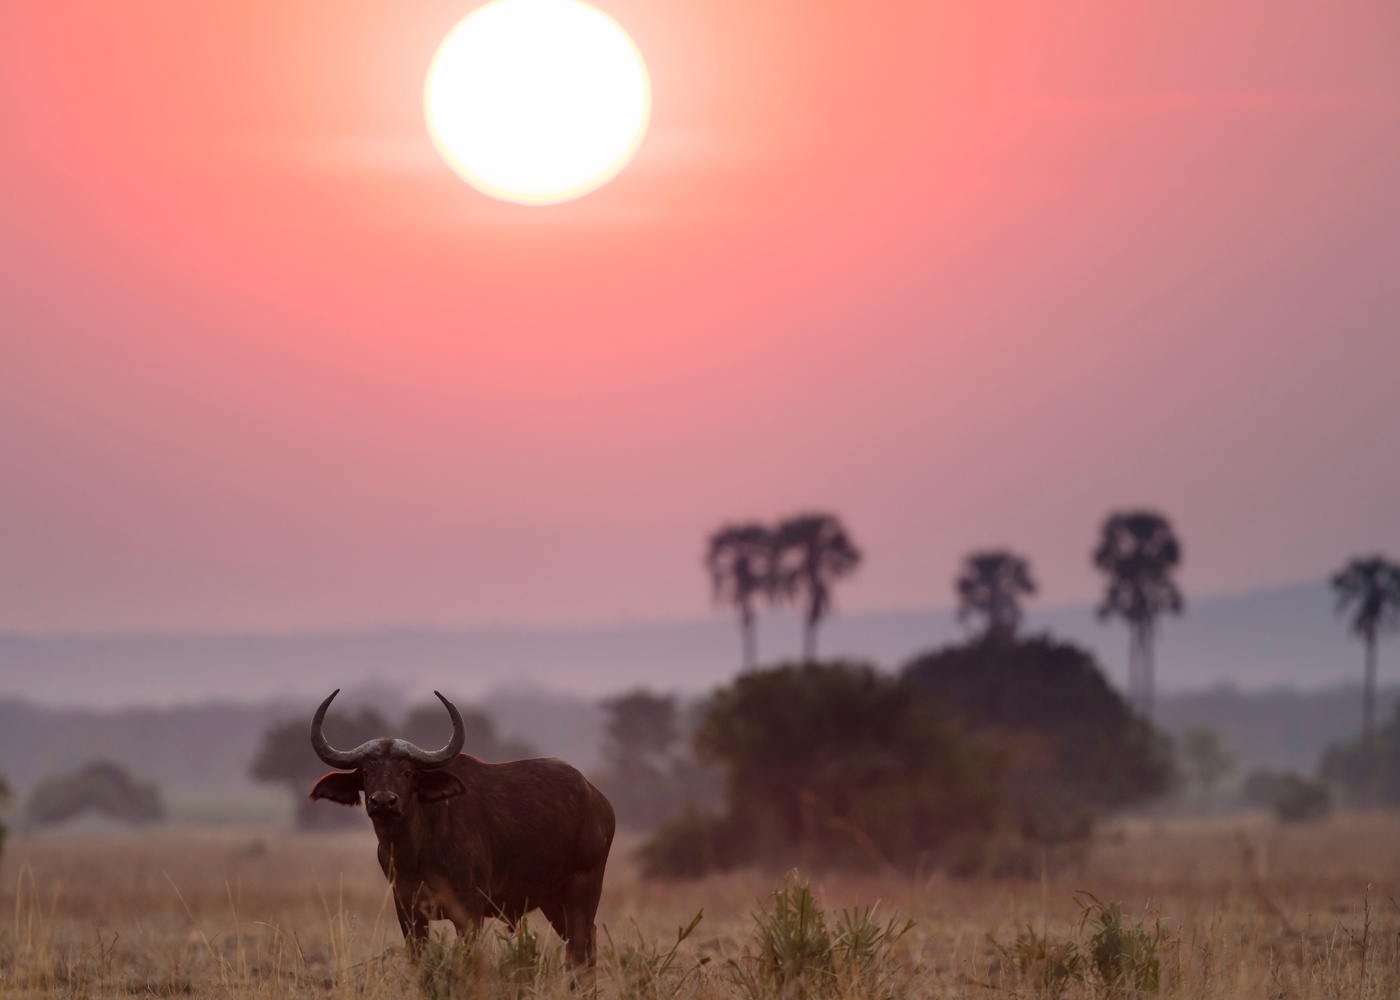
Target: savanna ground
pixel 1225 907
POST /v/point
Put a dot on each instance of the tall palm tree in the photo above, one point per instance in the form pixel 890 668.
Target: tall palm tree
pixel 813 551
pixel 1138 551
pixel 739 559
pixel 1372 585
pixel 991 585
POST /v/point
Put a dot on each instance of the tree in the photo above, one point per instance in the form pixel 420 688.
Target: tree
pixel 837 762
pixel 1138 552
pixel 286 758
pixel 103 787
pixel 641 731
pixel 1367 770
pixel 5 796
pixel 648 774
pixel 1206 757
pixel 739 559
pixel 1372 587
pixel 813 551
pixel 1073 745
pixel 990 586
pixel 428 726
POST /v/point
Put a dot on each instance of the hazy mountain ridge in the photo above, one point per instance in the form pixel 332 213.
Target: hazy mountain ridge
pixel 1285 636
pixel 203 751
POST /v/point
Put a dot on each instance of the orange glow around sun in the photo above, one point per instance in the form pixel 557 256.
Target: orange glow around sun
pixel 537 101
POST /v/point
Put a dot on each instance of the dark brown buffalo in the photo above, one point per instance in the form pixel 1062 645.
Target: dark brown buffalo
pixel 460 839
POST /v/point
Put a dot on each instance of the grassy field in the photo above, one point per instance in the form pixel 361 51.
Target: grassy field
pixel 1233 907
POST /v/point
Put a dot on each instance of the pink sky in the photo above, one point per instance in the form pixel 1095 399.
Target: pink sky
pixel 965 273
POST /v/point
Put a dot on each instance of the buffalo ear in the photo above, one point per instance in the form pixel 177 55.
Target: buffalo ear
pixel 339 786
pixel 434 786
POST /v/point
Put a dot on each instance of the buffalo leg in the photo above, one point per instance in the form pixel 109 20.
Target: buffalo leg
pixel 414 926
pixel 555 915
pixel 581 895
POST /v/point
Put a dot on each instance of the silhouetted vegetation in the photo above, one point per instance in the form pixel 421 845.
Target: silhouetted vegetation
pixel 1371 588
pixel 1138 552
pixel 102 787
pixel 830 763
pixel 649 775
pixel 799 560
pixel 990 587
pixel 740 561
pixel 5 797
pixel 286 758
pixel 1205 758
pixel 1291 797
pixel 1072 747
pixel 1367 771
pixel 813 551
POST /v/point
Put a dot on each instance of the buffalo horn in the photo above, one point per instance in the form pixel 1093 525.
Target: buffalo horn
pixel 439 758
pixel 335 758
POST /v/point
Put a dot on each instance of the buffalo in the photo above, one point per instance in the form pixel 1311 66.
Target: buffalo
pixel 462 840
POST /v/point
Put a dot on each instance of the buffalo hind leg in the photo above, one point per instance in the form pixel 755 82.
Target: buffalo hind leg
pixel 581 894
pixel 555 915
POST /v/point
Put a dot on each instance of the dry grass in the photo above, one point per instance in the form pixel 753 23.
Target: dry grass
pixel 1248 909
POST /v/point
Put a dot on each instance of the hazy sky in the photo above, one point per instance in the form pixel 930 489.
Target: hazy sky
pixel 965 273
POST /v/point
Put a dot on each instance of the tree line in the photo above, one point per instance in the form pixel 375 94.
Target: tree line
pixel 802 558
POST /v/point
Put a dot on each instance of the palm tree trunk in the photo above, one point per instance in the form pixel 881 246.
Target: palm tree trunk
pixel 809 640
pixel 1134 670
pixel 750 642
pixel 1148 670
pixel 1368 691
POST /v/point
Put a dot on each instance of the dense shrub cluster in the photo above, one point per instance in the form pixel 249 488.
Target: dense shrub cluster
pixel 993 756
pixel 1367 771
pixel 1096 748
pixel 101 787
pixel 286 758
pixel 648 773
pixel 829 763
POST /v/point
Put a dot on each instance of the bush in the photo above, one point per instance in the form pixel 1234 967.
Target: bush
pixel 799 953
pixel 1052 701
pixel 4 801
pixel 1298 799
pixel 102 787
pixel 832 763
pixel 1119 958
pixel 1261 788
pixel 1069 745
pixel 285 756
pixel 1368 773
pixel 694 844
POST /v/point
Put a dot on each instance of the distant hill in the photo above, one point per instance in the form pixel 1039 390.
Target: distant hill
pixel 1284 636
pixel 202 752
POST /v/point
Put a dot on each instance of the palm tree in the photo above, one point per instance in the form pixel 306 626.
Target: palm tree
pixel 813 551
pixel 1373 586
pixel 991 585
pixel 1138 551
pixel 740 563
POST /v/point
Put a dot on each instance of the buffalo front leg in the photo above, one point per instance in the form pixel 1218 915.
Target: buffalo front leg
pixel 413 921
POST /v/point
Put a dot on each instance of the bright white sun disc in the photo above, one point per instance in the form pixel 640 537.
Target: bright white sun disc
pixel 537 101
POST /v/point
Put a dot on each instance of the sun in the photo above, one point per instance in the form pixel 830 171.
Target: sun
pixel 537 101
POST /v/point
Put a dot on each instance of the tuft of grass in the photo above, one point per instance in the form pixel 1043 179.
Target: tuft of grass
pixel 1048 967
pixel 798 953
pixel 642 971
pixel 452 968
pixel 1119 957
pixel 1125 956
